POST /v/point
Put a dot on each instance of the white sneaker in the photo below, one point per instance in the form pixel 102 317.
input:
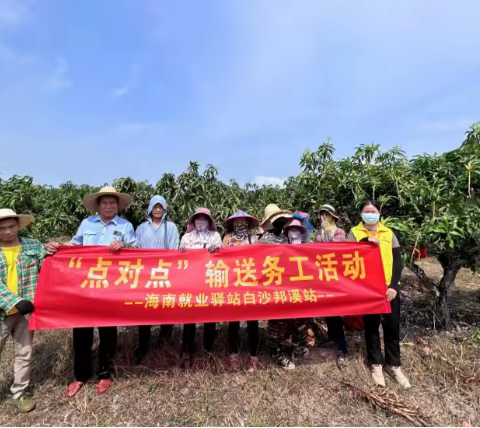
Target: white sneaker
pixel 397 374
pixel 377 375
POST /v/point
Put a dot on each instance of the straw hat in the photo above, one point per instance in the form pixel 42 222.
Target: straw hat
pixel 204 211
pixel 272 213
pixel 228 223
pixel 23 219
pixel 90 202
pixel 329 209
pixel 295 223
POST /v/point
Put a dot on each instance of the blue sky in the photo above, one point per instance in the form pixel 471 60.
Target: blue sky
pixel 94 90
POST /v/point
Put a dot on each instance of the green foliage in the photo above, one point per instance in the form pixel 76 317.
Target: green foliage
pixel 430 201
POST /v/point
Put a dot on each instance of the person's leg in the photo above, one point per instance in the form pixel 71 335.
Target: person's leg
pixel 166 334
pixel 5 331
pixel 336 332
pixel 82 349
pixel 372 339
pixel 106 351
pixel 253 338
pixel 144 333
pixel 280 349
pixel 234 337
pixel 188 339
pixel 391 334
pixel 22 342
pixel 209 335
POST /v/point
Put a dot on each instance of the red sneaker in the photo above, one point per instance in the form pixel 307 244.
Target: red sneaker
pixel 104 385
pixel 253 364
pixel 73 388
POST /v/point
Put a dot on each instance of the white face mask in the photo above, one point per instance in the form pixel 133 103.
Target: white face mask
pixel 295 236
pixel 201 225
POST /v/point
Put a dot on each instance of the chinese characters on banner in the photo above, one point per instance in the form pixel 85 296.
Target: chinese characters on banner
pixel 88 286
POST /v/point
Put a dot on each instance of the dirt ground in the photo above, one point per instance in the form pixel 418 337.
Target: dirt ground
pixel 444 369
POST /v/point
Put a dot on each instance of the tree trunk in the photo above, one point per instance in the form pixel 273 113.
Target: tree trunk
pixel 450 272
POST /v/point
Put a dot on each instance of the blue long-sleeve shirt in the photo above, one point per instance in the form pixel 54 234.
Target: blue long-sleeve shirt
pixel 93 231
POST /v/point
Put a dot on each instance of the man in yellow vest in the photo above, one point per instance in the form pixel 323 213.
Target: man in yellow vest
pixel 371 230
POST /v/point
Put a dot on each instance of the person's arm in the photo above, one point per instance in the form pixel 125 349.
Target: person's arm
pixel 397 264
pixel 8 300
pixel 129 240
pixel 78 238
pixel 339 235
pixel 173 237
pixel 138 235
pixel 41 254
pixel 217 240
pixel 225 241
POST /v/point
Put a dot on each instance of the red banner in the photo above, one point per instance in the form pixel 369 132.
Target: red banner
pixel 89 286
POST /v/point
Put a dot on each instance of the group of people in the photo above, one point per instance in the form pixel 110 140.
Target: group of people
pixel 21 259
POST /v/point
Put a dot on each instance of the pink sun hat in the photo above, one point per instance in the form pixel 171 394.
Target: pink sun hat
pixel 204 211
pixel 295 223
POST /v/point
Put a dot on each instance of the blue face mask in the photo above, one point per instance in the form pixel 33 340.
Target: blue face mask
pixel 371 218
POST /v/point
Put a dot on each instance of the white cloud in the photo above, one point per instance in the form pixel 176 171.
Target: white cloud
pixel 59 78
pixel 121 91
pixel 260 180
pixel 13 12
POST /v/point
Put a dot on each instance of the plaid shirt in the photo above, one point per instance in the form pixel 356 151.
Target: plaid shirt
pixel 32 253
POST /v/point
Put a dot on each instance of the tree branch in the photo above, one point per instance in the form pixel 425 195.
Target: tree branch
pixel 427 282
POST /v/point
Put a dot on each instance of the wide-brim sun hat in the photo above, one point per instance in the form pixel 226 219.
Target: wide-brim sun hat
pixel 90 202
pixel 329 209
pixel 228 223
pixel 272 213
pixel 295 223
pixel 23 219
pixel 198 211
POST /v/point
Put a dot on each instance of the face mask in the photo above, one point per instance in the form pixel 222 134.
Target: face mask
pixel 295 236
pixel 240 228
pixel 201 225
pixel 371 218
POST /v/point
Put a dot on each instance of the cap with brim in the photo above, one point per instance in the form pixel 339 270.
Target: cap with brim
pixel 23 219
pixel 295 223
pixel 329 209
pixel 272 213
pixel 228 223
pixel 204 211
pixel 90 202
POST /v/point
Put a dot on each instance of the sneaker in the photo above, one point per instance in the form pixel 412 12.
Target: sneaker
pixel 342 359
pixel 397 374
pixel 285 363
pixel 253 364
pixel 24 403
pixel 300 353
pixel 233 361
pixel 377 375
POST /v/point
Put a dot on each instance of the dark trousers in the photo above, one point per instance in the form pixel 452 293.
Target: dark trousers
pixel 82 348
pixel 234 337
pixel 145 332
pixel 188 339
pixel 336 332
pixel 391 335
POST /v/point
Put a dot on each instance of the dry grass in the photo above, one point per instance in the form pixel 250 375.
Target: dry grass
pixel 444 370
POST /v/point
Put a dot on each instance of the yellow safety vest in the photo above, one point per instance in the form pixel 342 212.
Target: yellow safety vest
pixel 385 236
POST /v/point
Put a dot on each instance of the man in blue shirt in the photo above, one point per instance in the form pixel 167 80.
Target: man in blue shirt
pixel 116 233
pixel 157 232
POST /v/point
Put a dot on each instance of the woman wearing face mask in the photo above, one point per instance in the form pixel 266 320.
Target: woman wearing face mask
pixel 201 233
pixel 329 232
pixel 372 230
pixel 239 228
pixel 301 328
pixel 279 331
